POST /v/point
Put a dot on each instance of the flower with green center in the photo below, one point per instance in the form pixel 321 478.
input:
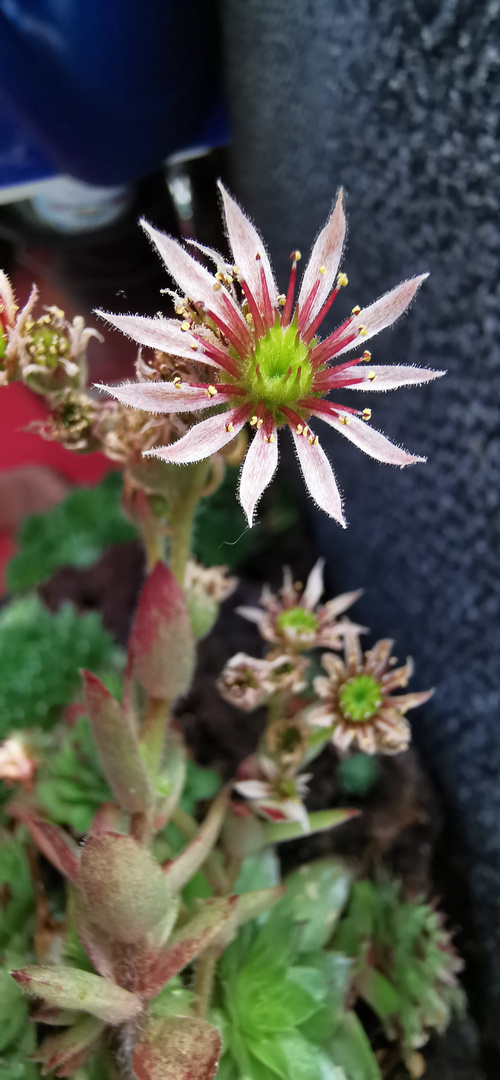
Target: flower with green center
pixel 357 700
pixel 294 620
pixel 360 698
pixel 270 368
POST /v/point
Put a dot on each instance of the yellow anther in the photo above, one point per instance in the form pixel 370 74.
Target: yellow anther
pixel 195 346
pixel 219 276
pixel 179 310
pixel 259 424
pixel 356 310
pixel 344 419
pixel 52 350
pixel 315 441
pixel 228 279
pixel 211 391
pixel 229 427
pixel 236 271
pixel 249 318
pixel 342 280
pixel 297 256
pixel 306 433
pixel 362 331
pixel 372 375
pixel 299 429
pixel 322 270
pixel 177 382
pixel 185 326
pixel 282 300
pixel 253 421
pixel 366 356
pixel 59 313
pixel 366 414
pixel 269 438
pixel 216 286
pixel 311 440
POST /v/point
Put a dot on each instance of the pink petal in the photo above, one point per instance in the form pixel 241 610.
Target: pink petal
pixel 314 586
pixel 163 334
pixel 160 397
pixel 195 280
pixel 211 253
pixel 382 313
pixel 326 254
pixel 253 789
pixel 372 442
pixel 295 811
pixel 245 245
pixel 388 377
pixel 258 470
pixel 202 440
pixel 319 478
pixel 7 298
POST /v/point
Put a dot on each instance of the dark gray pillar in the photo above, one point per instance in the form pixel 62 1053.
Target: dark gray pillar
pixel 398 101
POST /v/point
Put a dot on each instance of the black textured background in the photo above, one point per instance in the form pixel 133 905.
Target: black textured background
pixel 398 101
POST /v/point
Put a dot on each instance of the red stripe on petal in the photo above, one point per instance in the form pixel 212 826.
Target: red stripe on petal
pixel 326 255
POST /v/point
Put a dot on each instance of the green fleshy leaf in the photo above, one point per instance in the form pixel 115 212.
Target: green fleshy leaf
pixel 268 1002
pixel 319 821
pixel 34 689
pixel 358 773
pixel 259 871
pixel 71 787
pixel 336 970
pixel 13 1006
pixel 377 991
pixel 173 1000
pixel 293 1057
pixel 15 1063
pixel 16 887
pixel 73 533
pixel 350 1048
pixel 316 894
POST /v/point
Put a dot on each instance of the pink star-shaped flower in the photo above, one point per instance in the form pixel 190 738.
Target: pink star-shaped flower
pixel 270 368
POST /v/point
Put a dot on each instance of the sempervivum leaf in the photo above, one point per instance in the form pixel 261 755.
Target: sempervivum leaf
pixel 69 988
pixel 183 1048
pixel 118 747
pixel 318 822
pixel 123 887
pixel 187 943
pixel 161 644
pixel 69 1050
pixel 315 896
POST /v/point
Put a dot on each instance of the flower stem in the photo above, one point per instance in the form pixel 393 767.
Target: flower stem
pixel 153 732
pixel 181 524
pixel 204 982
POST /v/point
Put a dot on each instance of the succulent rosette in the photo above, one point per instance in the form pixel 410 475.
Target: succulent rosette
pixel 357 699
pixel 270 368
pixel 293 618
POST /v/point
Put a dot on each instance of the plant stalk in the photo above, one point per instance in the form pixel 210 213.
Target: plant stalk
pixel 181 524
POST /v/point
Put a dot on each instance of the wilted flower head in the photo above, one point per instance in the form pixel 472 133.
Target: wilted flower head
pixel 358 700
pixel 17 762
pixel 294 620
pixel 247 682
pixel 48 352
pixel 270 369
pixel 276 796
pixel 212 581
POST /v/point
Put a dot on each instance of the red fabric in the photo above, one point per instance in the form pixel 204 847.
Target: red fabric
pixel 18 446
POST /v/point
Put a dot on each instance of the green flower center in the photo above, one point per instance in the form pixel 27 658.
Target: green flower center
pixel 279 372
pixel 360 698
pixel 297 619
pixel 47 345
pixel 3 343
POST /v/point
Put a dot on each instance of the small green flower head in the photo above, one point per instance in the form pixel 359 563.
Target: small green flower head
pixel 360 698
pixel 297 619
pixel 279 371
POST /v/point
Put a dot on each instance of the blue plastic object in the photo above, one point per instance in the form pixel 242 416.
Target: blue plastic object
pixel 104 90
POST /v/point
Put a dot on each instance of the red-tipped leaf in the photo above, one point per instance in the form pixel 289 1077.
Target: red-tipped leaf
pixel 184 1048
pixel 161 646
pixel 124 888
pixel 206 925
pixel 118 748
pixel 71 988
